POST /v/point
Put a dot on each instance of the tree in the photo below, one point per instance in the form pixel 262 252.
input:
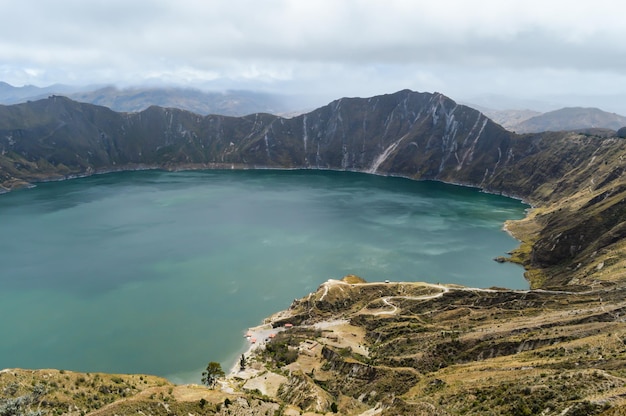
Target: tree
pixel 242 362
pixel 212 373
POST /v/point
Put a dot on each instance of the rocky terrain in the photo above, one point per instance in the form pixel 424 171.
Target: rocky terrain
pixel 415 348
pixel 388 348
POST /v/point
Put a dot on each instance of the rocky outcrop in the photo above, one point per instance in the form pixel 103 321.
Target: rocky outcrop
pixel 301 391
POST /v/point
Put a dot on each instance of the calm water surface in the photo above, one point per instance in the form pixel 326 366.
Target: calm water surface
pixel 155 272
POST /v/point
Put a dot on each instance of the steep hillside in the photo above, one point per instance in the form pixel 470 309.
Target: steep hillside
pixel 573 237
pixel 418 135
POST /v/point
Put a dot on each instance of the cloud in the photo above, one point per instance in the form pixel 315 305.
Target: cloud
pixel 315 45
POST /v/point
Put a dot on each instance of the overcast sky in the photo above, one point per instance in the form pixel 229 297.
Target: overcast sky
pixel 331 48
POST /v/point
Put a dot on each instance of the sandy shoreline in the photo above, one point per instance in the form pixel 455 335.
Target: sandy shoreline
pixel 256 337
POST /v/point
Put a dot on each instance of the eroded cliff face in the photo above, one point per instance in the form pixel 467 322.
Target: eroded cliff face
pixel 424 136
pixel 574 180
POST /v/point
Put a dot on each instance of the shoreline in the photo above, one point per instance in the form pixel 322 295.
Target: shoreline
pixel 256 338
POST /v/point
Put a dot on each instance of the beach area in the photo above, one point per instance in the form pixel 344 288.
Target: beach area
pixel 256 338
pixel 254 376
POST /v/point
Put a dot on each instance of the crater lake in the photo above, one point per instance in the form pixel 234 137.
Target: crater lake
pixel 161 272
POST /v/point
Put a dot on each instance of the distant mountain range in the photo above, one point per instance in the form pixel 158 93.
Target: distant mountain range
pixel 241 103
pixel 228 103
pixel 564 119
pixel 507 118
pixel 572 118
pixel 15 95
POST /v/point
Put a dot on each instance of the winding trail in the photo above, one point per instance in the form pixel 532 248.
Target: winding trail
pixel 387 299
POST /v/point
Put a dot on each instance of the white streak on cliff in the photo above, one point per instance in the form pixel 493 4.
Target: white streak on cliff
pixel 305 137
pixel 482 183
pixel 384 155
pixel 474 127
pixel 345 156
pixel 267 146
pixel 469 154
pixel 510 155
pixel 497 162
pixel 317 155
pixel 448 143
pixel 388 122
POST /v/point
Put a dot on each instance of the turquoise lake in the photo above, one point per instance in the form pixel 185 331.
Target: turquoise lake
pixel 159 272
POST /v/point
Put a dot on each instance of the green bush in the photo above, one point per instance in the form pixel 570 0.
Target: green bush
pixel 281 353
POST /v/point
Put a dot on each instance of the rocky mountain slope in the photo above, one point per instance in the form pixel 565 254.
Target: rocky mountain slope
pixel 422 136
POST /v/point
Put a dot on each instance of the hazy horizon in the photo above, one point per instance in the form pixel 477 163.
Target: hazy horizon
pixel 612 104
pixel 561 52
